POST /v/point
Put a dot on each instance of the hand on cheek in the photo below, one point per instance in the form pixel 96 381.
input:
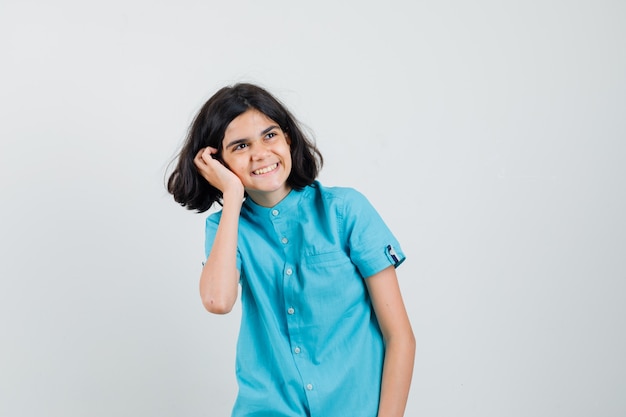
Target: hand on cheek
pixel 215 172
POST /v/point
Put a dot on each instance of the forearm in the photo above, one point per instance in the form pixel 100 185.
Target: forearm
pixel 219 278
pixel 397 374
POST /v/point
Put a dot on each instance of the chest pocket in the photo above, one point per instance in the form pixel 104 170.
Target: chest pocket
pixel 330 268
pixel 326 260
pixel 333 278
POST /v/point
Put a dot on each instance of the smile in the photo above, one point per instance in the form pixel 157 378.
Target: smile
pixel 266 169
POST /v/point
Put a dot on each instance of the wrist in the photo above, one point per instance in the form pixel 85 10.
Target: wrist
pixel 233 196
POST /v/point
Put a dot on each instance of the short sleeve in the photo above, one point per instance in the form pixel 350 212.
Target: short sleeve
pixel 371 244
pixel 209 237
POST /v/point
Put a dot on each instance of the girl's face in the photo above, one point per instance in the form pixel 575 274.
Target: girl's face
pixel 257 150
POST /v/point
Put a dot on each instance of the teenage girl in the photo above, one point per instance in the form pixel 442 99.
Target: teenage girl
pixel 324 330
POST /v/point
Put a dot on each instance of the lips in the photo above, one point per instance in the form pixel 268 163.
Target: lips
pixel 265 170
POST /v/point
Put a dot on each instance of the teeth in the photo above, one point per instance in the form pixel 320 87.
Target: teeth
pixel 265 170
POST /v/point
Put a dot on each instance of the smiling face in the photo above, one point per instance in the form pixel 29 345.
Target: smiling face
pixel 257 150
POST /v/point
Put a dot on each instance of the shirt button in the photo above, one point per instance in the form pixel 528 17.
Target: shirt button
pixel 291 310
pixel 289 271
pixel 309 387
pixel 274 212
pixel 297 350
pixel 284 240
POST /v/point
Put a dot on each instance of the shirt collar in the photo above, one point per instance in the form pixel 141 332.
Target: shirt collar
pixel 287 204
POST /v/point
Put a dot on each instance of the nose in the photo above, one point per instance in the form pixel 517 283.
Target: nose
pixel 260 151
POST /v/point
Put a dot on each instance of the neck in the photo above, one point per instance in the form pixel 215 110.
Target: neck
pixel 269 199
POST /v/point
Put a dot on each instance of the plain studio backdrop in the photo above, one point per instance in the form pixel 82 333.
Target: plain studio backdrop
pixel 490 135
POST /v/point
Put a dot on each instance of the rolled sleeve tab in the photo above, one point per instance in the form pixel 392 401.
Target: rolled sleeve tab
pixel 395 257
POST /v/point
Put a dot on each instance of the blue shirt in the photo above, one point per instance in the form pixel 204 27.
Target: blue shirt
pixel 309 343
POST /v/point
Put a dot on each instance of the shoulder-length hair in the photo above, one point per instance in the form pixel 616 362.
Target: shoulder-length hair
pixel 194 192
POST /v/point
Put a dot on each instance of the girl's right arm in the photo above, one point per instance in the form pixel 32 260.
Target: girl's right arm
pixel 219 281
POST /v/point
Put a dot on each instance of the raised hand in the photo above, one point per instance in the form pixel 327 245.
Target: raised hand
pixel 216 173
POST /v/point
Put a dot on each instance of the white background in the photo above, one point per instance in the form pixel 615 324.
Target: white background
pixel 489 134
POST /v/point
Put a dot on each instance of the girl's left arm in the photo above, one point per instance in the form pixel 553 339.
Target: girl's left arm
pixel 399 342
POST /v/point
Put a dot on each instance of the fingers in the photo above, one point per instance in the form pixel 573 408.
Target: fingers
pixel 203 156
pixel 208 152
pixel 209 167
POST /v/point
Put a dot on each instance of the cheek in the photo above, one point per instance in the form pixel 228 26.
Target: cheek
pixel 288 162
pixel 229 162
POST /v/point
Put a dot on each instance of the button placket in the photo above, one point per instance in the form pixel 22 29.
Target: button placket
pixel 289 274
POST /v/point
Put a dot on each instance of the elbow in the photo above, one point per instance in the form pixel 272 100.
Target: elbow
pixel 218 291
pixel 404 341
pixel 409 340
pixel 412 343
pixel 217 298
pixel 215 306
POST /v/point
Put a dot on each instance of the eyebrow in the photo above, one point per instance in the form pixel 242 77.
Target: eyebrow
pixel 243 140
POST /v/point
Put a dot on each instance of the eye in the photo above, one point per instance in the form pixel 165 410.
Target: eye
pixel 270 135
pixel 240 146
